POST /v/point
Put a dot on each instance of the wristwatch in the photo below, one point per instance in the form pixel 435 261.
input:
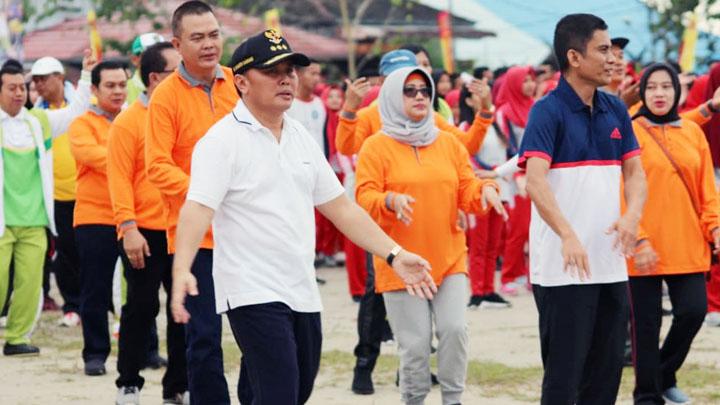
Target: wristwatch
pixel 393 253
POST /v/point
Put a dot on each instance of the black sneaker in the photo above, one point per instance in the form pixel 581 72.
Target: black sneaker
pixel 155 361
pixel 362 382
pixel 320 281
pixel 20 350
pixel 493 301
pixel 95 367
pixel 475 301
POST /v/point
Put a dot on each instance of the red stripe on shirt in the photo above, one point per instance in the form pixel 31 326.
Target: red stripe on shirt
pixel 586 163
pixel 631 154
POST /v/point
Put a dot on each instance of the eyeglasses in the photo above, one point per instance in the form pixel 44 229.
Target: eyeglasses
pixel 413 91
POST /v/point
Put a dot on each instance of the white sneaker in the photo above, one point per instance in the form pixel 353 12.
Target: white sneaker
pixel 178 399
pixel 70 319
pixel 3 322
pixel 128 396
pixel 712 319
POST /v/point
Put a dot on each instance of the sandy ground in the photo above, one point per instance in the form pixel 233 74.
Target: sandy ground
pixel 507 337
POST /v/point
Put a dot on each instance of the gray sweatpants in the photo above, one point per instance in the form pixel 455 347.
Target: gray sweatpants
pixel 411 319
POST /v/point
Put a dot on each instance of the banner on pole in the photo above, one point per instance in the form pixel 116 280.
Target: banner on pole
pixel 445 27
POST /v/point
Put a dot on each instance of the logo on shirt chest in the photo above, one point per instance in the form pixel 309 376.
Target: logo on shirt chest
pixel 615 134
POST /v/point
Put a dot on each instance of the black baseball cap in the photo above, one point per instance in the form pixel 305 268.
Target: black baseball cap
pixel 620 42
pixel 264 50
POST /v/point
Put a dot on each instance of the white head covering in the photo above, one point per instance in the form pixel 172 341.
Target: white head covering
pixel 395 123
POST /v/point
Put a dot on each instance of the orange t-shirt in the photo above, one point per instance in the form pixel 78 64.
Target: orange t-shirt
pixel 669 220
pixel 88 135
pixel 352 133
pixel 440 179
pixel 181 111
pixel 133 197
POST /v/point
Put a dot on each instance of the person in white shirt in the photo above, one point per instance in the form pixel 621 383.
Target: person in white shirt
pixel 26 204
pixel 256 175
pixel 309 110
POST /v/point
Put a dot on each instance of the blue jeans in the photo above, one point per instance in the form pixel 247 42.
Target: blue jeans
pixel 203 333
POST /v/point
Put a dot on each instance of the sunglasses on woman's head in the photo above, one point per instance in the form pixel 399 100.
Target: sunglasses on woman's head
pixel 413 91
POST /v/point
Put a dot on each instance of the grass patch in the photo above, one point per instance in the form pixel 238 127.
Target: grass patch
pixel 493 379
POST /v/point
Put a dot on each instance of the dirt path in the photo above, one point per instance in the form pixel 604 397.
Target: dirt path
pixel 503 346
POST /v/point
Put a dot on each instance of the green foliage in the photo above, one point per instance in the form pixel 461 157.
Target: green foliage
pixel 667 26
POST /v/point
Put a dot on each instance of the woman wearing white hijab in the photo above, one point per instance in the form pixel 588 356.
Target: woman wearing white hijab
pixel 413 179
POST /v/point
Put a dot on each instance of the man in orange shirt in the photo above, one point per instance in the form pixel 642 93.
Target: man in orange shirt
pixel 140 218
pixel 94 223
pixel 183 107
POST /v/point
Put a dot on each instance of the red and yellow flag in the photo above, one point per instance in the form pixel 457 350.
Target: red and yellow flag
pixel 272 20
pixel 95 39
pixel 445 27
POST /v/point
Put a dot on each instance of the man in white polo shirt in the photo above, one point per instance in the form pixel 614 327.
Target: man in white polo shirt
pixel 256 175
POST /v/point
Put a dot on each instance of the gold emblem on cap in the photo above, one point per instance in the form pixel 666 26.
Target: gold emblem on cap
pixel 243 62
pixel 274 37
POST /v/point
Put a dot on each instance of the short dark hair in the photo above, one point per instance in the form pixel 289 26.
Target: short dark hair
pixel 10 67
pixel 479 71
pixel 313 61
pixel 416 49
pixel 574 31
pixel 14 63
pixel 153 61
pixel 104 65
pixel 193 7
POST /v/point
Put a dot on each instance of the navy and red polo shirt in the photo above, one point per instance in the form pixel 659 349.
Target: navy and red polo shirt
pixel 585 148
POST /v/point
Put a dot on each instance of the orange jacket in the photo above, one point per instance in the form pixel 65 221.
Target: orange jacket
pixel 669 220
pixel 133 197
pixel 179 114
pixel 88 144
pixel 440 179
pixel 352 133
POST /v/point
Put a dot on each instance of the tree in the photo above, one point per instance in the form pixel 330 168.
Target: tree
pixel 667 24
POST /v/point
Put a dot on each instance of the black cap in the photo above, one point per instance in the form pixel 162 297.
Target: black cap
pixel 264 50
pixel 620 42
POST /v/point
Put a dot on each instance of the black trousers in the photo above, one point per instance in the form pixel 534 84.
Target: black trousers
pixel 371 322
pixel 655 366
pixel 281 353
pixel 66 265
pixel 138 316
pixel 582 335
pixel 98 253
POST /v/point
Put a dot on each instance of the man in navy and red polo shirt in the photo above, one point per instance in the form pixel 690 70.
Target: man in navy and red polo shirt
pixel 578 146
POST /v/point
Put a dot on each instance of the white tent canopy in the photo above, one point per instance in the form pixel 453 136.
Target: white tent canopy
pixel 510 46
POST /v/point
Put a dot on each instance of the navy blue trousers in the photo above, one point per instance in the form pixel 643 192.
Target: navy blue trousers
pixel 281 353
pixel 203 333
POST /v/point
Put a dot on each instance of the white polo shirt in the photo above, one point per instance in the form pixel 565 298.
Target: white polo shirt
pixel 311 114
pixel 263 193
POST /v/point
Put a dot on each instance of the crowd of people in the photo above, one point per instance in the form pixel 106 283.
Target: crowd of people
pixel 585 181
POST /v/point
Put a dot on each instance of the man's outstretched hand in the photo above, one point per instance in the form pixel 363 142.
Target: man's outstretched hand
pixel 415 273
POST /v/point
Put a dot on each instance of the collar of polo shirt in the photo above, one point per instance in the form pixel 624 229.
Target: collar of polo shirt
pixel 569 96
pixel 243 116
pixel 195 82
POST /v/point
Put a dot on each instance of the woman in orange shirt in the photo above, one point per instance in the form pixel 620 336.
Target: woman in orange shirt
pixel 413 179
pixel 679 219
